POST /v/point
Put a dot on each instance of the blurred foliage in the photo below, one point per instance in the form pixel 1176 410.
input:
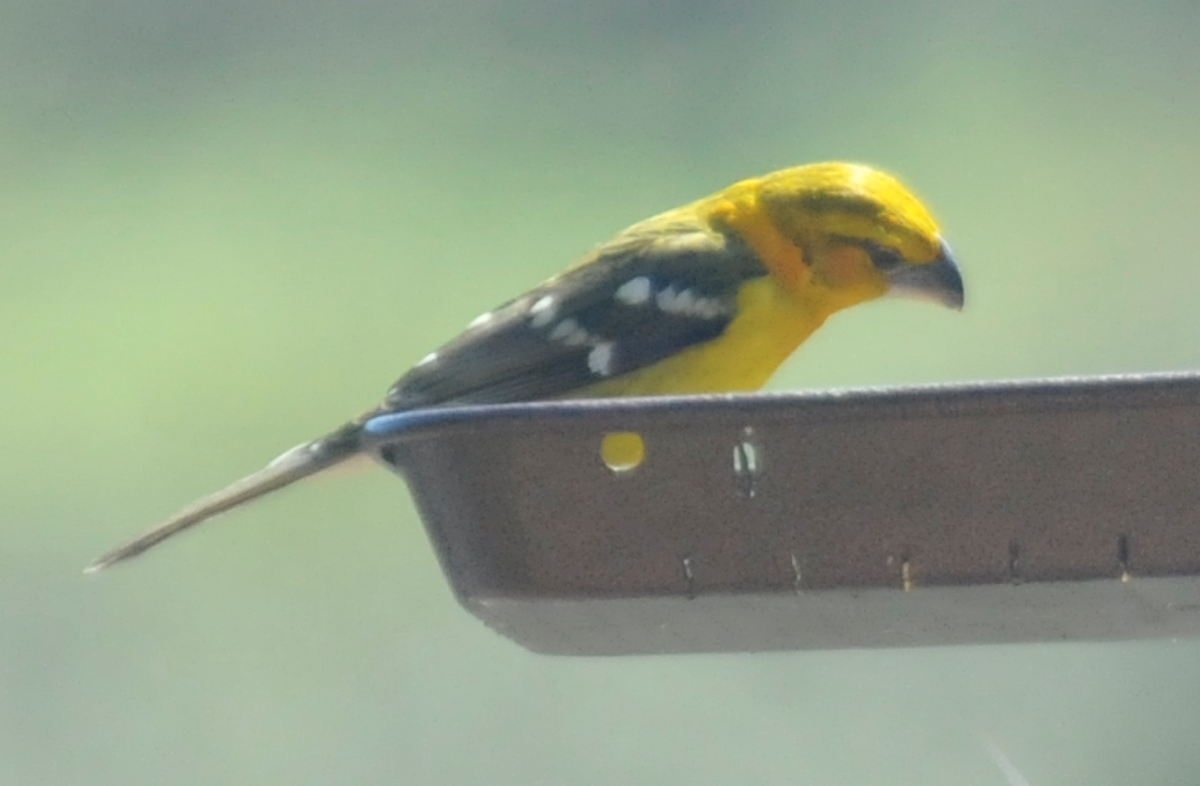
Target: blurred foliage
pixel 227 226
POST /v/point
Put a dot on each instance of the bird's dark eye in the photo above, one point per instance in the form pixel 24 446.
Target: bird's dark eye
pixel 884 258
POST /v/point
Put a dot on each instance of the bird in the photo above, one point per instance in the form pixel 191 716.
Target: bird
pixel 709 297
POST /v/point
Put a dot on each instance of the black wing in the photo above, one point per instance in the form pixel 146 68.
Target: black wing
pixel 642 297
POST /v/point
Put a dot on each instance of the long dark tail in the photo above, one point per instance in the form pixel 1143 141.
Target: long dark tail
pixel 298 463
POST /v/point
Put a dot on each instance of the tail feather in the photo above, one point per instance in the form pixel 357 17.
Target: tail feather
pixel 296 464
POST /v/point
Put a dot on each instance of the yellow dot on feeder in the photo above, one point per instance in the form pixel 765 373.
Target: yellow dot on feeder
pixel 622 451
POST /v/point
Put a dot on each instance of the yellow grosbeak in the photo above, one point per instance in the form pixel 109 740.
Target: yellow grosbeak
pixel 712 296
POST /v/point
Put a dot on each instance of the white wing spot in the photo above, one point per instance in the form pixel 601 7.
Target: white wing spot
pixel 481 320
pixel 600 359
pixel 542 311
pixel 563 329
pixel 570 333
pixel 577 339
pixel 708 308
pixel 425 361
pixel 634 292
pixel 691 241
pixel 688 304
pixel 685 303
pixel 666 299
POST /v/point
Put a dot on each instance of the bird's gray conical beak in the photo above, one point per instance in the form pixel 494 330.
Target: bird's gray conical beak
pixel 938 281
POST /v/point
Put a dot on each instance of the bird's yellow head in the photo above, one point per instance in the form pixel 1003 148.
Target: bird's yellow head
pixel 860 234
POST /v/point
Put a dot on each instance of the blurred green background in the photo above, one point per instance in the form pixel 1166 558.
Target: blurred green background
pixel 227 226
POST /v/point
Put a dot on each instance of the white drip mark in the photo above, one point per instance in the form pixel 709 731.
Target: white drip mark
pixel 425 361
pixel 634 292
pixel 1123 557
pixel 600 359
pixel 1005 764
pixel 746 464
pixel 543 311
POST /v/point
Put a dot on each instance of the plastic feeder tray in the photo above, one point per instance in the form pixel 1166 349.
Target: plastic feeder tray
pixel 1063 509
